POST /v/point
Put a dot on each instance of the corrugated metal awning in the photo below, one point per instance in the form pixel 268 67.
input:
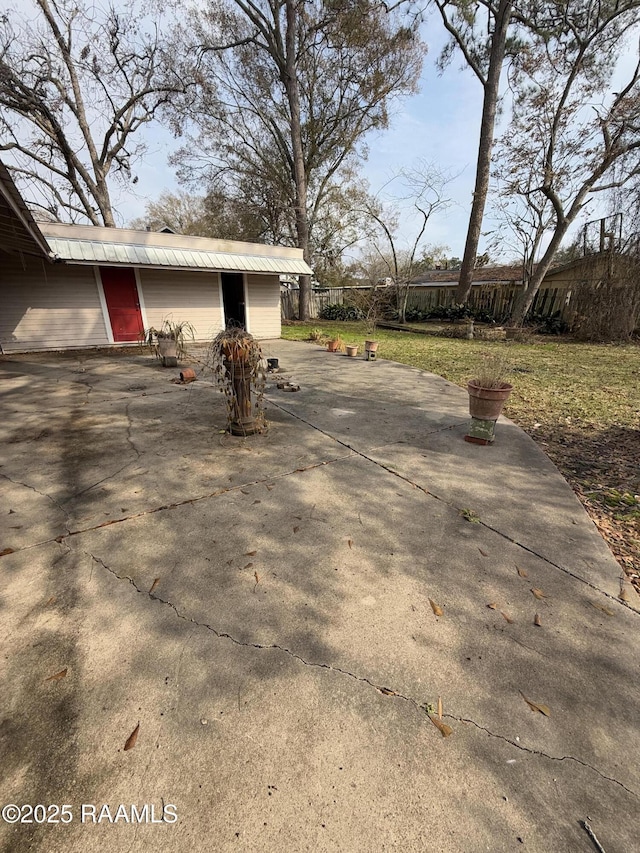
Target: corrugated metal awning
pixel 93 252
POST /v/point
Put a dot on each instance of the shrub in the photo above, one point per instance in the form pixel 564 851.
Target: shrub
pixel 552 324
pixel 333 311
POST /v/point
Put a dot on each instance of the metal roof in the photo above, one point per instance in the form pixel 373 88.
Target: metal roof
pixel 138 255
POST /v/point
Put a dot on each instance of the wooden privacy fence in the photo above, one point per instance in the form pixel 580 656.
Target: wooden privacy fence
pixel 498 299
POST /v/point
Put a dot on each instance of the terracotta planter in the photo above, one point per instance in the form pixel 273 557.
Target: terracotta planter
pixel 188 375
pixel 485 404
pixel 371 346
pixel 333 346
pixel 352 352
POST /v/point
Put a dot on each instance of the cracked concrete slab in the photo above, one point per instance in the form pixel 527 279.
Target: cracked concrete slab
pixel 275 634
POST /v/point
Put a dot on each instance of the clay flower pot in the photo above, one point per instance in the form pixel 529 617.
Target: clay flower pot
pixel 485 404
pixel 371 346
pixel 352 351
pixel 333 346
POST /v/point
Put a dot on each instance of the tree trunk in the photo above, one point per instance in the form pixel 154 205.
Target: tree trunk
pixel 104 202
pixel 300 178
pixel 483 168
pixel 525 299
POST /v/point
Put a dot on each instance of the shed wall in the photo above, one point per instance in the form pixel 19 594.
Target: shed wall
pixel 263 299
pixel 193 297
pixel 48 306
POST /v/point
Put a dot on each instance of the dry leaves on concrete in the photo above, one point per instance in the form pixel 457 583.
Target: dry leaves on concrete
pixel 436 608
pixel 58 676
pixel 536 706
pixel 131 740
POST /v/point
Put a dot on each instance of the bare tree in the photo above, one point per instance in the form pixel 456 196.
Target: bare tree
pixel 570 131
pixel 424 189
pixel 77 84
pixel 290 89
pixel 481 32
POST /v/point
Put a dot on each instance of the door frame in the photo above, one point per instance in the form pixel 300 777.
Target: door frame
pixel 245 293
pixel 103 302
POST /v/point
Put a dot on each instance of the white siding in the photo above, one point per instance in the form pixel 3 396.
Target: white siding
pixel 48 306
pixel 193 297
pixel 263 298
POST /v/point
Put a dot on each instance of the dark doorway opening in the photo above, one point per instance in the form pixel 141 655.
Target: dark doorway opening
pixel 233 299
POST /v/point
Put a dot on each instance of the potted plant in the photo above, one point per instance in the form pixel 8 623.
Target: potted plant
pixel 335 344
pixel 488 392
pixel 238 364
pixel 169 341
pixel 372 304
pixel 352 350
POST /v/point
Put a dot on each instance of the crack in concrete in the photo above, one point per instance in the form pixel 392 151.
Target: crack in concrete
pixel 542 754
pixel 458 509
pixel 162 508
pixel 131 443
pixel 386 691
pixel 42 495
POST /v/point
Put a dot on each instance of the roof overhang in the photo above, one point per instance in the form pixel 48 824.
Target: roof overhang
pixel 93 245
pixel 19 232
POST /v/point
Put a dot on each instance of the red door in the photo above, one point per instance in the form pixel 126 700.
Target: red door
pixel 121 294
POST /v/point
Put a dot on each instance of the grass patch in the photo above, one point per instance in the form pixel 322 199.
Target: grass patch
pixel 580 402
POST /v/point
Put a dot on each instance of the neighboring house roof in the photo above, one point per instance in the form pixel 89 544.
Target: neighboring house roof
pixel 483 275
pixel 90 244
pixel 19 231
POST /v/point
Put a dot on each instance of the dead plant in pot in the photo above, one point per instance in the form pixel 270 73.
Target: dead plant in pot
pixel 488 392
pixel 169 342
pixel 239 367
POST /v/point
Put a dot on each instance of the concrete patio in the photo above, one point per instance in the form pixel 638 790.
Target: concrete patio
pixel 265 609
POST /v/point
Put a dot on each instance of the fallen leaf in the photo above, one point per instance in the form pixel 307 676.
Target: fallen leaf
pixel 257 502
pixel 604 609
pixel 536 621
pixel 299 517
pixel 257 577
pixel 507 618
pixel 58 675
pixel 154 585
pixel 244 491
pixel 386 692
pixel 6 551
pixel 492 606
pixel 230 561
pixel 522 572
pixel 539 594
pixel 542 709
pixel 50 601
pixel 443 728
pixel 440 707
pixel 268 488
pixel 349 542
pixel 625 595
pixel 248 566
pixel 484 553
pixel 296 528
pixel 133 737
pixel 435 607
pixel 249 553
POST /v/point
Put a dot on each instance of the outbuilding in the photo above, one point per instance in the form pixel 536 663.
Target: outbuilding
pixel 69 286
